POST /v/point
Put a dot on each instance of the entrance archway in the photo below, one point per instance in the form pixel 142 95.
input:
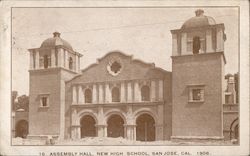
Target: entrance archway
pixel 88 128
pixel 22 129
pixel 145 128
pixel 234 129
pixel 115 126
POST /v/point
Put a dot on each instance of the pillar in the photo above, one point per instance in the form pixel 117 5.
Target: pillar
pixel 183 43
pixel 101 130
pixel 80 95
pixel 123 92
pixel 152 91
pixel 66 60
pixel 160 90
pixel 101 93
pixel 220 44
pixel 174 45
pixel 79 63
pixel 129 92
pixel 74 95
pixel 53 58
pixel 75 127
pixel 37 59
pixel 137 92
pixel 94 93
pixel 209 45
pixel 60 56
pixel 76 63
pixel 130 131
pixel 107 93
pixel 31 60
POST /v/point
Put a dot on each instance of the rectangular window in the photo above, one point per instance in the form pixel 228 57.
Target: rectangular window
pixel 196 93
pixel 44 100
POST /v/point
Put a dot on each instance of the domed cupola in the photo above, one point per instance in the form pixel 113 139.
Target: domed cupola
pixel 198 35
pixel 55 41
pixel 55 53
pixel 199 20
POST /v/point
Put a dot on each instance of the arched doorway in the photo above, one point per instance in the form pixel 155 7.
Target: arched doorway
pixel 115 126
pixel 88 128
pixel 22 129
pixel 145 128
pixel 234 129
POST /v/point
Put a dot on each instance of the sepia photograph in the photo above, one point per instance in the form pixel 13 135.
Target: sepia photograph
pixel 126 76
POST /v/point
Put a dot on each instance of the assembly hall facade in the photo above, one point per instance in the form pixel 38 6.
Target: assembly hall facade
pixel 120 96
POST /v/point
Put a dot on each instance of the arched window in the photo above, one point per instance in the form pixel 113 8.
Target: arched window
pixel 70 63
pixel 115 94
pixel 88 96
pixel 145 93
pixel 46 61
pixel 196 45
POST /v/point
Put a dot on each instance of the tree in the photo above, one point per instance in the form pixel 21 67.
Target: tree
pixel 23 102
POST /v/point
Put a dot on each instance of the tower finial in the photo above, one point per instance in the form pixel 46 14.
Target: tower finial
pixel 199 12
pixel 56 34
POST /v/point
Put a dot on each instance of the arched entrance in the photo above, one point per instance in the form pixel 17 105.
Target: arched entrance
pixel 88 128
pixel 22 129
pixel 115 126
pixel 234 129
pixel 145 128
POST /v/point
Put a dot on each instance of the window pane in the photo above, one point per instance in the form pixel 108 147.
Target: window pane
pixel 44 101
pixel 196 94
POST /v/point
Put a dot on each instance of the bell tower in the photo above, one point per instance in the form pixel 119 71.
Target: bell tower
pixel 53 63
pixel 197 79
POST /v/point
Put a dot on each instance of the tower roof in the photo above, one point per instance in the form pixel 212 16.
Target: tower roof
pixel 54 41
pixel 199 20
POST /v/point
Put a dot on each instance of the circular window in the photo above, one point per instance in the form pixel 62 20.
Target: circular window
pixel 114 67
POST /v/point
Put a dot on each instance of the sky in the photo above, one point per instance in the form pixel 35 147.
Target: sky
pixel 141 32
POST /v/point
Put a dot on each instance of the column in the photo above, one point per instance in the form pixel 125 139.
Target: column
pixel 80 95
pixel 75 126
pixel 66 60
pixel 152 91
pixel 107 93
pixel 137 92
pixel 79 63
pixel 122 92
pixel 53 58
pixel 160 90
pixel 101 93
pixel 74 96
pixel 130 132
pixel 219 40
pixel 94 93
pixel 184 43
pixel 60 56
pixel 31 60
pixel 101 125
pixel 129 92
pixel 37 59
pixel 174 45
pixel 101 130
pixel 209 47
pixel 76 62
